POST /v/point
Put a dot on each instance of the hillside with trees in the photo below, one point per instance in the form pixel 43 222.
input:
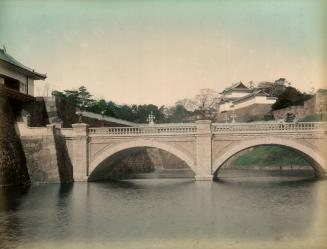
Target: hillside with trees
pixel 289 97
pixel 203 105
pixel 82 98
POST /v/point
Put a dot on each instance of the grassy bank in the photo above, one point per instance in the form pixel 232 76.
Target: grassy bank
pixel 269 156
pixel 315 118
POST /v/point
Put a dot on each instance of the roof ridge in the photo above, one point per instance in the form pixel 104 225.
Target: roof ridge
pixel 4 56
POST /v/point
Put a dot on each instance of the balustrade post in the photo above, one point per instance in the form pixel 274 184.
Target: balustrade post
pixel 203 150
pixel 80 152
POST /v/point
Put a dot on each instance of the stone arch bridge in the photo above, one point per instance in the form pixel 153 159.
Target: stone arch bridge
pixel 203 146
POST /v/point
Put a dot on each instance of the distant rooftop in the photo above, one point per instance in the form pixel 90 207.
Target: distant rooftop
pixel 8 59
pixel 239 86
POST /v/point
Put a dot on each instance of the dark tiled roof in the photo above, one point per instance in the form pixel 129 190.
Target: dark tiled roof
pixel 239 86
pixel 224 100
pixel 4 56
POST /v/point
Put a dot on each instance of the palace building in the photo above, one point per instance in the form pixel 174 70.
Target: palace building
pixel 18 80
pixel 239 103
pixel 16 88
pixel 239 96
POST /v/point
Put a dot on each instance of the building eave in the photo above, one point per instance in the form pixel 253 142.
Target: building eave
pixel 14 94
pixel 236 90
pixel 25 71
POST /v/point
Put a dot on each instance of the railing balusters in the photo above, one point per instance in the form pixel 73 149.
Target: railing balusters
pixel 112 131
pixel 268 127
pixel 240 128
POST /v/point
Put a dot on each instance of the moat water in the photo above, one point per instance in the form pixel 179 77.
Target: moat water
pixel 239 211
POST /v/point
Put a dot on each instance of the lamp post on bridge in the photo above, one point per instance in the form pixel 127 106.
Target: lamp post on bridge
pixel 226 118
pixel 233 116
pixel 80 112
pixel 102 118
pixel 151 119
pixel 321 112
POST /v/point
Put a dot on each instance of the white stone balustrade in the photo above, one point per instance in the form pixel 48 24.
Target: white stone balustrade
pixel 216 128
pixel 259 128
pixel 144 130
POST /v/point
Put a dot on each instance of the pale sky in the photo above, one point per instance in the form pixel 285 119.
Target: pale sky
pixel 161 51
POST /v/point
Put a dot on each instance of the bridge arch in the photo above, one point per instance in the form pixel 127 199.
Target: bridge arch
pixel 310 152
pixel 112 150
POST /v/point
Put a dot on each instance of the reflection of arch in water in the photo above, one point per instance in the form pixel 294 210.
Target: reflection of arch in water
pixel 101 164
pixel 314 158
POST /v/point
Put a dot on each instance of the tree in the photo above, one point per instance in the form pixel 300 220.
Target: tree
pixel 58 94
pixel 188 104
pixel 72 96
pixel 83 96
pixel 291 96
pixel 207 103
pixel 76 97
pixel 179 114
pixel 99 106
pixel 290 117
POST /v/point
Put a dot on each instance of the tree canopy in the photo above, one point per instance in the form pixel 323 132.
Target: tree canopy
pixel 289 97
pixel 133 113
pixel 203 105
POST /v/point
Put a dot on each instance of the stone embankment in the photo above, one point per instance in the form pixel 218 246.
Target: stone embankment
pixel 13 169
pixel 317 104
pixel 46 154
pixel 256 112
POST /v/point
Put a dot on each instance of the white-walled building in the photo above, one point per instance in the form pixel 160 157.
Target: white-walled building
pixel 17 79
pixel 239 96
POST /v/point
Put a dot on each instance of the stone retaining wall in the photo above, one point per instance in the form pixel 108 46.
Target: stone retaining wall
pixel 41 159
pixel 318 103
pixel 255 112
pixel 13 169
pixel 46 155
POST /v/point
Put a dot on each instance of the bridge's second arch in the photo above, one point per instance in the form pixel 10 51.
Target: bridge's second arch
pixel 115 152
pixel 311 152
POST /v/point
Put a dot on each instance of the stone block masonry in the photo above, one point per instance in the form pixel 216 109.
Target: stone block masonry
pixel 46 157
pixel 315 105
pixel 41 158
pixel 13 169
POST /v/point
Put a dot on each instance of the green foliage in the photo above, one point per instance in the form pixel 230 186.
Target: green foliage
pixel 270 156
pixel 179 114
pixel 133 113
pixel 290 117
pixel 322 91
pixel 315 118
pixel 58 94
pixel 84 97
pixel 291 96
pixel 75 97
